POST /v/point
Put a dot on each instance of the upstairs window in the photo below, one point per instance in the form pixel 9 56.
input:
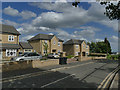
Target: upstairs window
pixel 86 46
pixel 77 46
pixel 54 42
pixel 83 46
pixel 10 38
pixel 58 43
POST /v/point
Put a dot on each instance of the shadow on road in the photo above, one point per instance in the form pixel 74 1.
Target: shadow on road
pixel 40 80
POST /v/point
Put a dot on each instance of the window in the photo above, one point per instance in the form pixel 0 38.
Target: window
pixel 58 43
pixel 58 51
pixel 83 46
pixel 27 50
pixel 54 42
pixel 10 38
pixel 11 52
pixel 87 53
pixel 86 46
pixel 77 46
pixel 45 41
pixel 76 53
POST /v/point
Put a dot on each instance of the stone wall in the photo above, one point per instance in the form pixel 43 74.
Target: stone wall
pixel 9 66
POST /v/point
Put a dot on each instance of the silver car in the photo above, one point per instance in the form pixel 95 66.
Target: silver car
pixel 27 56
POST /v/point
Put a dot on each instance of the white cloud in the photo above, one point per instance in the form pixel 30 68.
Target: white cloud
pixel 11 11
pixel 71 16
pixel 114 42
pixel 8 22
pixel 25 38
pixel 98 40
pixel 27 14
pixel 14 12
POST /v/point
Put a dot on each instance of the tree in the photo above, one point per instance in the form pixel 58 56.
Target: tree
pixel 112 10
pixel 45 45
pixel 108 46
pixel 100 47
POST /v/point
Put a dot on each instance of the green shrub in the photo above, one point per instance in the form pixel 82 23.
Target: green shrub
pixel 70 56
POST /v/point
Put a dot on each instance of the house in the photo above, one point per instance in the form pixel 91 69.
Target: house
pixel 55 45
pixel 9 41
pixel 74 47
pixel 25 47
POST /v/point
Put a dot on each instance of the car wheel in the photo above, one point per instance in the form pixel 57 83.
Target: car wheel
pixel 21 59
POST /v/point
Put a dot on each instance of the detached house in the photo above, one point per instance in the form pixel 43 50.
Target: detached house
pixel 25 47
pixel 9 41
pixel 74 47
pixel 55 45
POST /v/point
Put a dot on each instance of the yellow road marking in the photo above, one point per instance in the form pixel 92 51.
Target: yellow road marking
pixel 101 84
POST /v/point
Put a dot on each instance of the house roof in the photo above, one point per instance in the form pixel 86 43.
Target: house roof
pixel 9 46
pixel 8 29
pixel 25 45
pixel 43 37
pixel 74 41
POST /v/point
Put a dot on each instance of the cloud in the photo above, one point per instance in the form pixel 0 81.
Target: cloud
pixel 27 14
pixel 114 42
pixel 8 22
pixel 65 15
pixel 10 11
pixel 25 38
pixel 87 32
pixel 14 12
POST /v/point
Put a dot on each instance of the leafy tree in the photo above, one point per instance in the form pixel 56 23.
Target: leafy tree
pixel 108 46
pixel 112 10
pixel 45 45
pixel 100 47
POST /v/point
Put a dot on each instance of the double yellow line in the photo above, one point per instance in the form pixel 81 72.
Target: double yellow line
pixel 105 83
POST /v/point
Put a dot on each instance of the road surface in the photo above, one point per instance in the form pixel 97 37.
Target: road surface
pixel 87 74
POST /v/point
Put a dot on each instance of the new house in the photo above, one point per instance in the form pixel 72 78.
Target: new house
pixel 9 41
pixel 55 45
pixel 25 47
pixel 74 47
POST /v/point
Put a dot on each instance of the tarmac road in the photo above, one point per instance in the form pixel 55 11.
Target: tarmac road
pixel 88 74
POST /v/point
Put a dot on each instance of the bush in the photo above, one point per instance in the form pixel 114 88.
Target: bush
pixel 112 57
pixel 70 56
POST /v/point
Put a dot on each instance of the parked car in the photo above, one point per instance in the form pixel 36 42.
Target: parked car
pixel 27 56
pixel 53 55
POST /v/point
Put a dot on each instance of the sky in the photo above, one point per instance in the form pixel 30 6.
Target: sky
pixel 85 22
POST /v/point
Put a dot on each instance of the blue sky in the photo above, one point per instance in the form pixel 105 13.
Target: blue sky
pixel 86 22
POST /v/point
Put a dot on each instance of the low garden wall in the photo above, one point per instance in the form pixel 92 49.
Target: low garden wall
pixel 90 58
pixel 10 66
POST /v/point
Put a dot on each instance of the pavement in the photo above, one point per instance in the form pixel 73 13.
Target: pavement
pixel 87 74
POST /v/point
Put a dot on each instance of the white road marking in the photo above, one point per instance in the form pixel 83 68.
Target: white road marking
pixel 56 81
pixel 38 73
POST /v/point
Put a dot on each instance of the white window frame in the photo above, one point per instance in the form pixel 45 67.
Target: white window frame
pixel 45 41
pixel 86 46
pixel 14 51
pixel 83 45
pixel 58 43
pixel 58 51
pixel 54 42
pixel 86 53
pixel 11 38
pixel 76 53
pixel 77 46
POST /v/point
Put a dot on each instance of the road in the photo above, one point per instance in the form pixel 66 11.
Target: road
pixel 87 74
